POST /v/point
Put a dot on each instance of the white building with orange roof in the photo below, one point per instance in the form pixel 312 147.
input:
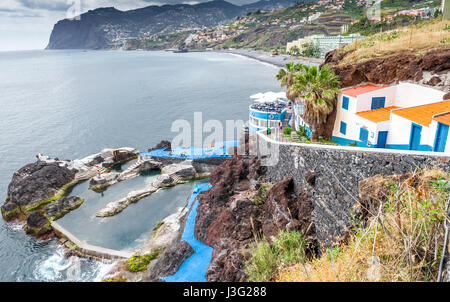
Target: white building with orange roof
pixel 419 128
pixel 389 117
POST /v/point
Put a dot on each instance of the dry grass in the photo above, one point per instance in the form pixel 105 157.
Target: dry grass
pixel 417 38
pixel 403 241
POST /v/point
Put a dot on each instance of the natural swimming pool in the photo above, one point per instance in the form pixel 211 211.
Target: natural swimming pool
pixel 130 228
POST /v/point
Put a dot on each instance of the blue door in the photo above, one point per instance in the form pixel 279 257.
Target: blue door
pixel 441 137
pixel 382 136
pixel 414 141
pixel 364 135
pixel 378 102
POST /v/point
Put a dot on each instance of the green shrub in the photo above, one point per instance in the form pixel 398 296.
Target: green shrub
pixel 138 263
pixel 261 197
pixel 287 131
pixel 286 248
pixel 118 278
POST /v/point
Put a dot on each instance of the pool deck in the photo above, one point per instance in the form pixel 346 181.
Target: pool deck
pixel 219 150
pixel 88 249
pixel 194 268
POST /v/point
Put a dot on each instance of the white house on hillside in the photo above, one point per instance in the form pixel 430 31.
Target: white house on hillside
pixel 406 116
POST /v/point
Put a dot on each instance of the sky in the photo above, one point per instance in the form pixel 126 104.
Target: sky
pixel 27 24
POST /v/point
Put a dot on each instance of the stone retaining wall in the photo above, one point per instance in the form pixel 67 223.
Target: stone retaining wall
pixel 333 174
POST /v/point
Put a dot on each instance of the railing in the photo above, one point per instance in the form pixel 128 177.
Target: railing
pixel 270 139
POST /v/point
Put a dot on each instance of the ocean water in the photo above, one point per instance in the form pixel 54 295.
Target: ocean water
pixel 70 104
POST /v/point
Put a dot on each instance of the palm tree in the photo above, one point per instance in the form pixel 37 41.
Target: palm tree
pixel 286 77
pixel 318 89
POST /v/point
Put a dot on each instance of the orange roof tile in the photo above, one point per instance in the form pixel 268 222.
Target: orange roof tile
pixel 354 92
pixel 443 118
pixel 424 113
pixel 377 115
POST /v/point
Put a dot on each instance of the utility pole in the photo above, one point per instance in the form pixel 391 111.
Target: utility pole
pixel 445 10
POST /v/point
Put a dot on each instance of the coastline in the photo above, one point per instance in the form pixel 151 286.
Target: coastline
pixel 278 61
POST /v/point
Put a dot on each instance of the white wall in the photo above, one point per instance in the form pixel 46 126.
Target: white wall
pixel 354 122
pixel 400 132
pixel 409 95
pixel 364 102
pixel 447 144
pixel 346 116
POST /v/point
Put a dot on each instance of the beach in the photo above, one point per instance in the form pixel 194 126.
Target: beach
pixel 278 60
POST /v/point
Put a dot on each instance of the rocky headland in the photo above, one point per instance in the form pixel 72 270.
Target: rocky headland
pixel 37 196
pixel 46 181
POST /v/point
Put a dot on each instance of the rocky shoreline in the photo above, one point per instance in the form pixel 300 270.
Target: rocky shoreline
pixel 37 196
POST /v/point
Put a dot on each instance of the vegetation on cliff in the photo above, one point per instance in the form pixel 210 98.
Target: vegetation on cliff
pixel 417 38
pixel 286 248
pixel 397 235
pixel 138 263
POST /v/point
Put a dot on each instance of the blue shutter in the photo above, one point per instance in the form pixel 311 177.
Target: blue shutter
pixel 363 135
pixel 378 102
pixel 345 101
pixel 343 128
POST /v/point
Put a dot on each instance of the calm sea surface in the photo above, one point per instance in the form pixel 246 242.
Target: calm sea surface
pixel 70 104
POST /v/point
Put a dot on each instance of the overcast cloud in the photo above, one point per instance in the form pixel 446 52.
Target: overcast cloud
pixel 27 24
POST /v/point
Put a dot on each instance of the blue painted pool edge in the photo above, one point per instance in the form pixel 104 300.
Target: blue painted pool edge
pixel 194 268
pixel 194 153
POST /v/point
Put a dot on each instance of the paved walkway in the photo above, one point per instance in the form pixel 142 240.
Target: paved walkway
pixel 90 250
pixel 194 268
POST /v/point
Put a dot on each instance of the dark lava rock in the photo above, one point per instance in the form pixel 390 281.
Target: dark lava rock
pixel 10 210
pixel 37 224
pixel 227 263
pixel 388 69
pixel 37 182
pixel 434 81
pixel 227 220
pixel 225 179
pixel 446 96
pixel 170 261
pixel 162 145
pixel 97 160
pixel 285 210
pixel 310 177
pixel 63 206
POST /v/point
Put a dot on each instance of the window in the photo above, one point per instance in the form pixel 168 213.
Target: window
pixel 378 102
pixel 363 135
pixel 345 101
pixel 343 128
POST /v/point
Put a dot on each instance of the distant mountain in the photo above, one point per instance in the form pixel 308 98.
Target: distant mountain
pixel 108 27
